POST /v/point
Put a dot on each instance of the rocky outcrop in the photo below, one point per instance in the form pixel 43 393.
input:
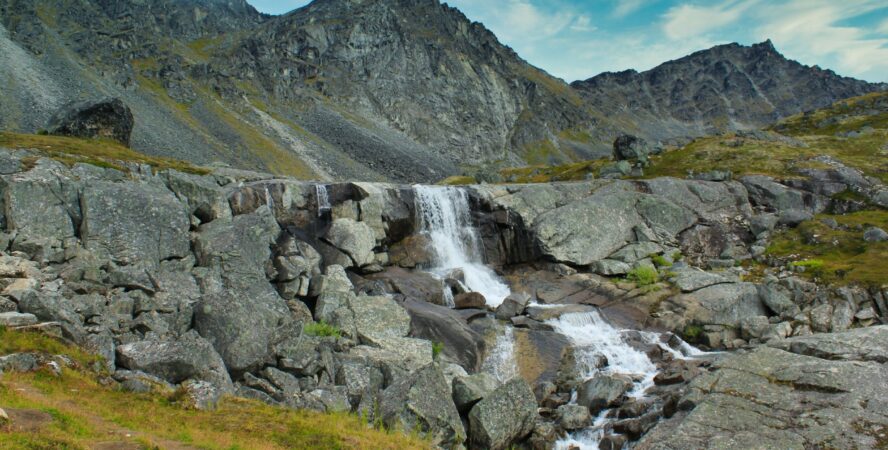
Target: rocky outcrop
pixel 503 417
pixel 817 391
pixel 106 118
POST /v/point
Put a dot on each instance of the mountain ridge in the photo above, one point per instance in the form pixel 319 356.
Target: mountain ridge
pixel 401 90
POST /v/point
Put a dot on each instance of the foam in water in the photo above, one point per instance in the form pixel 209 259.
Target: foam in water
pixel 323 199
pixel 591 335
pixel 501 361
pixel 445 217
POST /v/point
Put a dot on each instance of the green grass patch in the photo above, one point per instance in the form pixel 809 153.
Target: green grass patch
pixel 27 342
pixel 643 276
pixel 458 180
pixel 98 152
pixel 661 261
pixel 692 333
pixel 838 256
pixel 85 411
pixel 322 329
pixel 437 348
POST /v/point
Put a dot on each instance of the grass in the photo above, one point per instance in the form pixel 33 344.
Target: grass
pixel 544 174
pixel 437 348
pixel 840 255
pixel 322 329
pixel 98 152
pixel 85 411
pixel 643 276
pixel 458 180
pixel 661 261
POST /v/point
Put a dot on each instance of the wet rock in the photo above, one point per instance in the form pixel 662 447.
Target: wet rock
pixel 447 327
pixel 105 118
pixel 573 417
pixel 412 252
pixel 503 417
pixel 470 300
pixel 512 306
pixel 422 402
pixel 602 392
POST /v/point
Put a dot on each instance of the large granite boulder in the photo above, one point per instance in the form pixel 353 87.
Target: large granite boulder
pixel 377 318
pixel 421 402
pixel 134 223
pixel 783 398
pixel 602 391
pixel 447 327
pixel 504 417
pixel 629 147
pixel 108 118
pixel 188 357
pixel 719 304
pixel 355 239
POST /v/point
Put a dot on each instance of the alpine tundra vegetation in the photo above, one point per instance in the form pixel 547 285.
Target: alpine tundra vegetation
pixel 371 224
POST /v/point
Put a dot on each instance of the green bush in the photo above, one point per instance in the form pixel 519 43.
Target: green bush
pixel 692 333
pixel 643 275
pixel 322 329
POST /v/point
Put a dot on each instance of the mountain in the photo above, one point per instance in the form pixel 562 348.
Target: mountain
pixel 728 87
pixel 400 90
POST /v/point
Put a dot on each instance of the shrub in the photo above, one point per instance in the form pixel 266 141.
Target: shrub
pixel 643 275
pixel 322 329
pixel 692 333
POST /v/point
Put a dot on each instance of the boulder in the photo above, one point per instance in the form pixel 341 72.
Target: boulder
pixel 421 402
pixel 573 417
pixel 469 390
pixel 107 118
pixel 874 234
pixel 377 318
pixel 512 306
pixel 445 326
pixel 189 357
pixel 355 239
pixel 691 280
pixel 205 199
pixel 628 147
pixel 15 319
pixel 134 223
pixel 602 391
pixel 615 170
pixel 504 417
pixel 470 300
pixel 720 304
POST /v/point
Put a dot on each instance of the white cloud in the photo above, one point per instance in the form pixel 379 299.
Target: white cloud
pixel 626 7
pixel 883 27
pixel 517 22
pixel 583 24
pixel 687 20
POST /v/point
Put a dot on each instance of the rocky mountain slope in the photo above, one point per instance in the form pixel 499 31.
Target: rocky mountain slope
pixel 728 87
pixel 406 90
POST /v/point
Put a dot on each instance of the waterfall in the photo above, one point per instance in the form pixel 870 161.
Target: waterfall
pixel 323 199
pixel 445 218
pixel 500 362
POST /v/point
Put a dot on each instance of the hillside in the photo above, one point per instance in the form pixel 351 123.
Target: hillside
pixel 403 90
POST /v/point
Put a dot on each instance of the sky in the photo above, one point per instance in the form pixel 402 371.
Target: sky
pixel 577 39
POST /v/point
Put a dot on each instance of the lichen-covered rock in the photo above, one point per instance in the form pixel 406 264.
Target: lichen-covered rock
pixel 504 417
pixel 355 239
pixel 469 390
pixel 573 417
pixel 422 402
pixel 190 356
pixel 379 317
pixel 15 319
pixel 134 223
pixel 602 392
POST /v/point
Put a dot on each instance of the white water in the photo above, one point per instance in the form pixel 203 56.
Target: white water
pixel 500 362
pixel 591 335
pixel 446 220
pixel 323 199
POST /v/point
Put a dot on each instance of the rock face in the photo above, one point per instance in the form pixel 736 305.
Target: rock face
pixel 107 118
pixel 189 357
pixel 422 402
pixel 784 398
pixel 503 417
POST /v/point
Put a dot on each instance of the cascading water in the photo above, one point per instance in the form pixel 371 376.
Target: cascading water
pixel 592 336
pixel 500 362
pixel 323 199
pixel 446 220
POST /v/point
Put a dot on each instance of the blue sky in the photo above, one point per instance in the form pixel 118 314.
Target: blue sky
pixel 576 39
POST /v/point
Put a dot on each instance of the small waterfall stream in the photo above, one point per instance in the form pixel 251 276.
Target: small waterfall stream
pixel 445 218
pixel 323 199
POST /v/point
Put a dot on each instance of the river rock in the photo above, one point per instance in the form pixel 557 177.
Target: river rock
pixel 421 402
pixel 175 361
pixel 602 391
pixel 504 417
pixel 573 417
pixel 470 300
pixel 512 306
